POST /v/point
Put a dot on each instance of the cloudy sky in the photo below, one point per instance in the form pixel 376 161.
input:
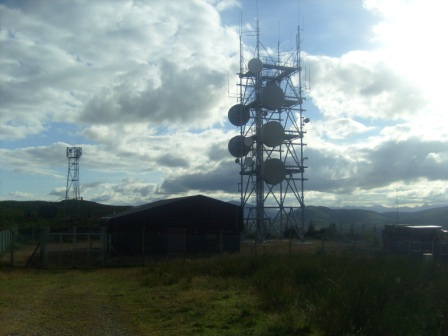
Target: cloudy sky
pixel 144 88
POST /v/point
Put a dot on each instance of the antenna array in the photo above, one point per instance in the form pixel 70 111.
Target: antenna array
pixel 270 144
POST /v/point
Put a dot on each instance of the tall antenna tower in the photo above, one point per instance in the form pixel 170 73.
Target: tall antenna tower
pixel 73 192
pixel 270 144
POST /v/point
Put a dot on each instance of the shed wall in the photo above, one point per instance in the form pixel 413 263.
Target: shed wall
pixel 191 225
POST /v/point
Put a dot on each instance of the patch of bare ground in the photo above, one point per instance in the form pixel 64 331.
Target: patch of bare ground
pixel 61 303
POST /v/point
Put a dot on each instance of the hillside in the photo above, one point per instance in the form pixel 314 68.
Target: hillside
pixel 28 213
pixel 437 216
pixel 24 213
pixel 323 217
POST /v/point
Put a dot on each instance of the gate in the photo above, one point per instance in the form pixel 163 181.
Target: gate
pixel 8 236
pixel 5 239
pixel 73 249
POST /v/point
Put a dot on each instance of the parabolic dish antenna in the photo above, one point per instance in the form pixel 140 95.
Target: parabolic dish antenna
pixel 248 162
pixel 255 66
pixel 239 114
pixel 272 96
pixel 237 147
pixel 272 134
pixel 248 141
pixel 273 171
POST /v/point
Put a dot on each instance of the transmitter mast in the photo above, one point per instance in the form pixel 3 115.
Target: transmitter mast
pixel 73 191
pixel 270 145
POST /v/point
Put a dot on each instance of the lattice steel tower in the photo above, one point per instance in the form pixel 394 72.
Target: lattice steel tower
pixel 73 192
pixel 270 144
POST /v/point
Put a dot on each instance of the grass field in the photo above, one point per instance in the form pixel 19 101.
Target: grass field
pixel 309 293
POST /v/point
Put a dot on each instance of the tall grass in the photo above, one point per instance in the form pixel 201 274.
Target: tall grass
pixel 328 295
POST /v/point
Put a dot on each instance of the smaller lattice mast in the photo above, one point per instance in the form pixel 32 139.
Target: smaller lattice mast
pixel 73 193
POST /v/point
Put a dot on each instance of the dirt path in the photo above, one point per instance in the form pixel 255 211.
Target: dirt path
pixel 61 303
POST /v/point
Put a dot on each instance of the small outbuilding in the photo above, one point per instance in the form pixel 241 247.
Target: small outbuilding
pixel 184 225
pixel 415 240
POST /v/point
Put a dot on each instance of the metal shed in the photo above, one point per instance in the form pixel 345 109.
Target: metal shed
pixel 415 240
pixel 192 224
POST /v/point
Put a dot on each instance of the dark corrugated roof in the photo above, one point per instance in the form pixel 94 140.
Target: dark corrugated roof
pixel 155 204
pixel 412 227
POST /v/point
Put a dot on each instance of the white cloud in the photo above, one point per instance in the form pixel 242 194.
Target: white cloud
pixel 361 84
pixel 24 196
pixel 40 160
pixel 338 128
pixel 168 104
pixel 141 149
pixel 113 62
pixel 412 35
pixel 129 191
pixel 142 86
pixel 383 118
pixel 222 5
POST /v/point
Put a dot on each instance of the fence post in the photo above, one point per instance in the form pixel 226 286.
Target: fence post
pixel 60 250
pixel 143 245
pixel 44 249
pixel 103 242
pixel 2 241
pixel 89 247
pixel 220 242
pixel 11 244
pixel 74 246
pixel 184 238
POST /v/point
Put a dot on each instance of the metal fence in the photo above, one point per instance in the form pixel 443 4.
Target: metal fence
pixel 429 250
pixel 7 235
pixel 5 240
pixel 73 249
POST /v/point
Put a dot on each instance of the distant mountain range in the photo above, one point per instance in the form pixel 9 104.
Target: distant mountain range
pixel 381 209
pixel 323 216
